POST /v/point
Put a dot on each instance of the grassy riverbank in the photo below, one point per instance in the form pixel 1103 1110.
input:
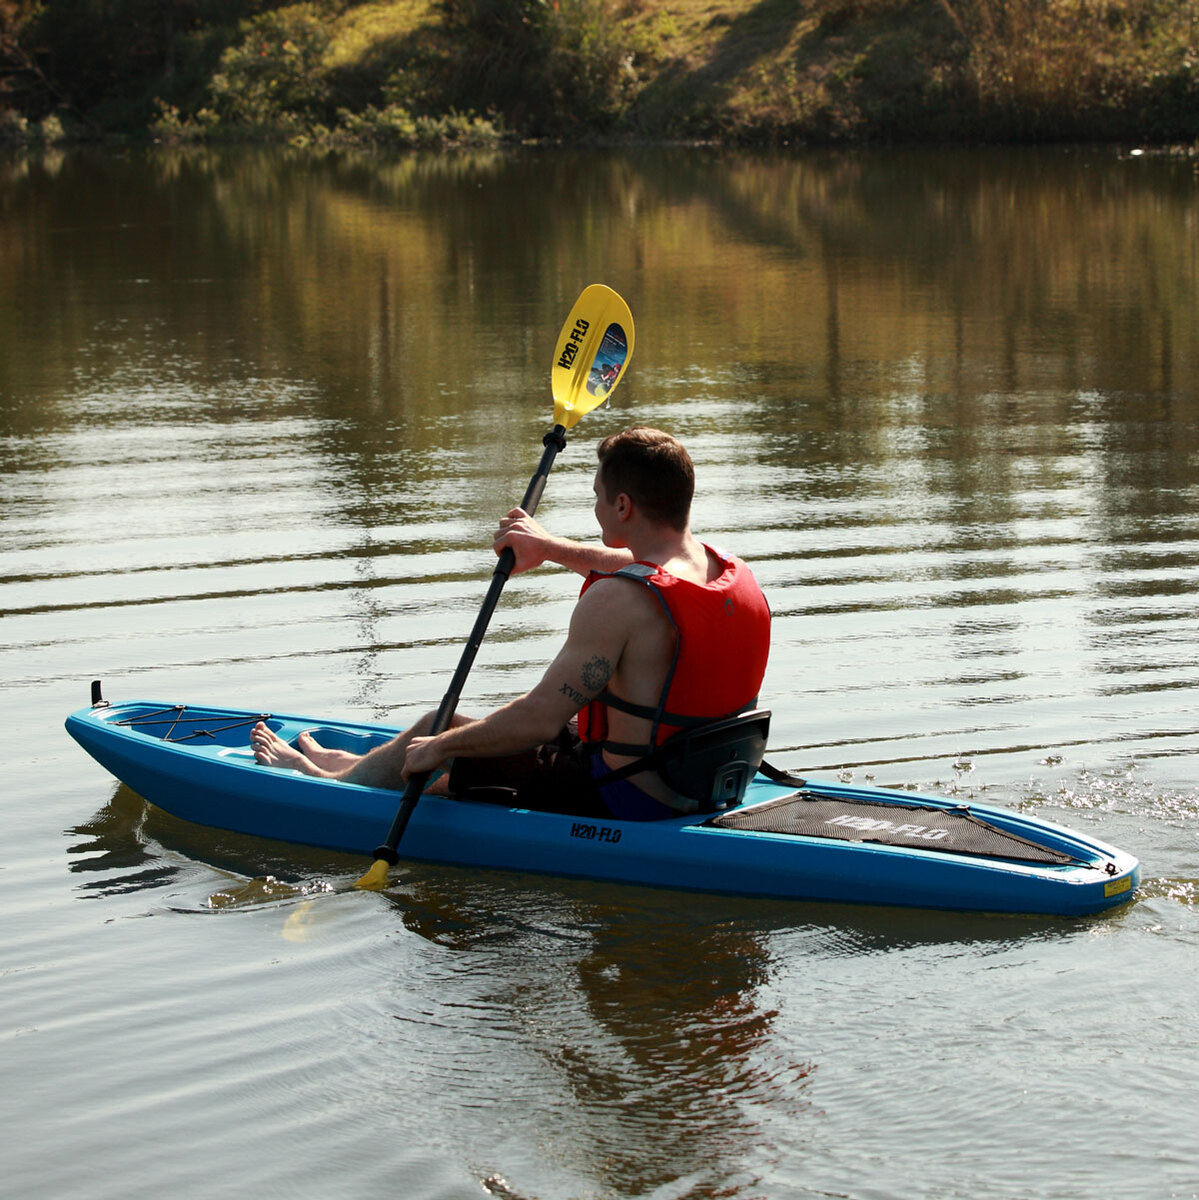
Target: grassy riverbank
pixel 767 71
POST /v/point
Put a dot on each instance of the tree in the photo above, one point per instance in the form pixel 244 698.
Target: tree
pixel 106 61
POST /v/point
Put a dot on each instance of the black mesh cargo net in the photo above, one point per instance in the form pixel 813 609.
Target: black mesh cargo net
pixel 175 724
pixel 956 830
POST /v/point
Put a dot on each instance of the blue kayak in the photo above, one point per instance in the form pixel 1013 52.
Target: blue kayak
pixel 821 841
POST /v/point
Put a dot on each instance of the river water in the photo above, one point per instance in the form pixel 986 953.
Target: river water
pixel 259 412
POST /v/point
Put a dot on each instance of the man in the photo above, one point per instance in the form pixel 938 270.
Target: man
pixel 665 627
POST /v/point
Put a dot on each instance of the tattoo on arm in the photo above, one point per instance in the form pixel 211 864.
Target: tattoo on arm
pixel 596 673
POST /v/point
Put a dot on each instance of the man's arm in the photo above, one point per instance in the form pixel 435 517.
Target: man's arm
pixel 599 632
pixel 533 546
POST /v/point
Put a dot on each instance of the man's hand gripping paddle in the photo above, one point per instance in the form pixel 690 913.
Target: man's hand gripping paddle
pixel 593 349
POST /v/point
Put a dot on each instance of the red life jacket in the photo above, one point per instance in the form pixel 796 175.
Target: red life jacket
pixel 722 640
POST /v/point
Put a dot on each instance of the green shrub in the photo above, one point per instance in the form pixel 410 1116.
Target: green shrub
pixel 170 126
pixel 273 80
pixel 51 130
pixel 396 126
pixel 14 128
pixel 18 130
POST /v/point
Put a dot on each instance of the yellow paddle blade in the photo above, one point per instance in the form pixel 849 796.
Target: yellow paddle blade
pixel 593 350
pixel 375 880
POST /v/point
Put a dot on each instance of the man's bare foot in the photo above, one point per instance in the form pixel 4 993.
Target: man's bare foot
pixel 323 756
pixel 272 751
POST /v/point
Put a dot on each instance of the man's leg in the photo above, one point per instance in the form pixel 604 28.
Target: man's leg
pixel 323 756
pixel 381 767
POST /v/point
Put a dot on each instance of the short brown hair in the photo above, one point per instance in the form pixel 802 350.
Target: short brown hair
pixel 653 470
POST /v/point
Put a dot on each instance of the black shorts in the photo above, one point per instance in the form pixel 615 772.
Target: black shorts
pixel 555 777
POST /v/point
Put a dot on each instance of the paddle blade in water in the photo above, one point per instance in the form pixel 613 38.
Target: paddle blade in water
pixel 375 880
pixel 593 349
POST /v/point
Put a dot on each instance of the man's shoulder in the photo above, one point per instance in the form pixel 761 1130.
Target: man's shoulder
pixel 616 595
pixel 618 583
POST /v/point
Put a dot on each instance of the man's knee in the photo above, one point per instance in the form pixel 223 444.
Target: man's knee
pixel 424 724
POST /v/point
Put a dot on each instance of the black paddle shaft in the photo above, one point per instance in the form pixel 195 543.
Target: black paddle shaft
pixel 554 441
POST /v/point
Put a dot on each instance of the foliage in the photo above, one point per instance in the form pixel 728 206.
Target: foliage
pixel 401 72
pixel 1070 68
pixel 18 130
pixel 273 79
pixel 25 92
pixel 104 61
pixel 282 79
pixel 931 70
pixel 537 65
pixel 396 126
pixel 171 126
pixel 550 66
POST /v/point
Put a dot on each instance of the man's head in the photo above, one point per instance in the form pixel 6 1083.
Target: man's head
pixel 653 470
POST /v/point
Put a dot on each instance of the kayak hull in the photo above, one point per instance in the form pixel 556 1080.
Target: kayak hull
pixel 196 764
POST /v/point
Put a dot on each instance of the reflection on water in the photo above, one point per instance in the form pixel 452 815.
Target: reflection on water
pixel 635 1031
pixel 258 415
pixel 649 1020
pixel 463 909
pixel 127 835
pixel 117 857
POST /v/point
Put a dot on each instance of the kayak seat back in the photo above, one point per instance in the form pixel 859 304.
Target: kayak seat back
pixel 714 763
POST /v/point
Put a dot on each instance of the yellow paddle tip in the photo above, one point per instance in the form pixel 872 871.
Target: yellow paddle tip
pixel 375 880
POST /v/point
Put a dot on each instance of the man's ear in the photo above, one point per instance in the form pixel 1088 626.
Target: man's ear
pixel 624 506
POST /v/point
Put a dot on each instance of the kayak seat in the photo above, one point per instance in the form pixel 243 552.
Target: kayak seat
pixel 711 763
pixel 715 763
pixel 506 797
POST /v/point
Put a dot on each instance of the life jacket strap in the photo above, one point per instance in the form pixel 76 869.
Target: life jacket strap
pixel 661 716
